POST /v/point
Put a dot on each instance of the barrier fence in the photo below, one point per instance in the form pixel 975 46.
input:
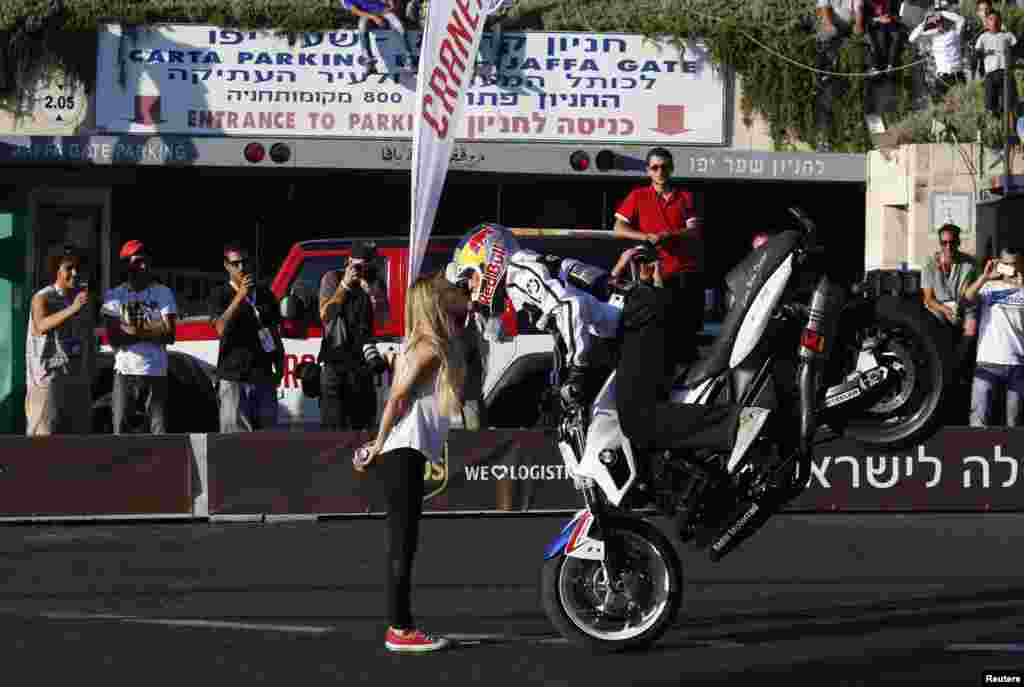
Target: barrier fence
pixel 310 474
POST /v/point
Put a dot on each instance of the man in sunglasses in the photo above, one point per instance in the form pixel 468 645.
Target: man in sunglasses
pixel 140 317
pixel 664 215
pixel 944 280
pixel 250 359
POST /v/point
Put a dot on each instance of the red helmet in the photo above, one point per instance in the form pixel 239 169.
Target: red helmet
pixel 486 250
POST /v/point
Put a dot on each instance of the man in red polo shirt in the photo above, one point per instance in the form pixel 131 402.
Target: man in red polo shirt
pixel 664 215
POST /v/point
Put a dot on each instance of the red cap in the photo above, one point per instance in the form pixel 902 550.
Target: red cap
pixel 131 248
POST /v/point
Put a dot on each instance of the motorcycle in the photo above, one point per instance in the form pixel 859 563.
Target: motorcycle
pixel 794 341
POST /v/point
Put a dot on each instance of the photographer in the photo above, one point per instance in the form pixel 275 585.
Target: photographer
pixel 945 29
pixel 140 316
pixel 999 293
pixel 250 360
pixel 61 350
pixel 351 301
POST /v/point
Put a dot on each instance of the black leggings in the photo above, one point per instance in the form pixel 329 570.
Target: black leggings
pixel 400 476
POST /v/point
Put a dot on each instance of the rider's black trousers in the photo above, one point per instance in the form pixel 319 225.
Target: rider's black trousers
pixel 650 422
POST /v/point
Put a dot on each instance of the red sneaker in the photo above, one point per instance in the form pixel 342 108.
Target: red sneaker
pixel 415 642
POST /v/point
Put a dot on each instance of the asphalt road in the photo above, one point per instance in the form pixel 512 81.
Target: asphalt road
pixel 823 600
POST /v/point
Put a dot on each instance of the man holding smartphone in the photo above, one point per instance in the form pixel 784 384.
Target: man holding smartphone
pixel 250 360
pixel 999 293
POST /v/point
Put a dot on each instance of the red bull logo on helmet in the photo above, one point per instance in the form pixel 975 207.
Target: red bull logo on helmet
pixel 484 251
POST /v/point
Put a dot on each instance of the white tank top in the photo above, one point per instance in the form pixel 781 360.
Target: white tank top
pixel 423 426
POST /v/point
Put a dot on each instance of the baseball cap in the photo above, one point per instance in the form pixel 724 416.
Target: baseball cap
pixel 364 250
pixel 132 248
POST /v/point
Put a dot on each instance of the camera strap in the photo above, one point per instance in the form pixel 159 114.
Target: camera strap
pixel 267 341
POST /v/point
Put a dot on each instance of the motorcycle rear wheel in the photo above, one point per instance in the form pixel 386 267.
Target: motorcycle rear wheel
pixel 595 615
pixel 917 353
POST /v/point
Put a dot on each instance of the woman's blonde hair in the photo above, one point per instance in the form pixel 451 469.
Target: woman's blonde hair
pixel 427 322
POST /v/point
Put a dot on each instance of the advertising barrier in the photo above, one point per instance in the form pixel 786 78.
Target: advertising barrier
pixel 92 475
pixel 310 474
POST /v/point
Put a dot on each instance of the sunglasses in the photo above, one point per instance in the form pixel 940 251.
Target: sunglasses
pixel 655 168
pixel 239 263
pixel 949 243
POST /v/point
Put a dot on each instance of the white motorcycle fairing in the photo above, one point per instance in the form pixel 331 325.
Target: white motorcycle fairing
pixel 607 457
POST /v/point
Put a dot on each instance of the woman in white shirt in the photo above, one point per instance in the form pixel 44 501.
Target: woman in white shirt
pixel 414 425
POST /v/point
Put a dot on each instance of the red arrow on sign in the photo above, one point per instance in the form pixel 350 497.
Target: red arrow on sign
pixel 671 120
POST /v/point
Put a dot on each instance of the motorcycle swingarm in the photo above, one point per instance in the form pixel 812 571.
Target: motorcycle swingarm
pixel 855 387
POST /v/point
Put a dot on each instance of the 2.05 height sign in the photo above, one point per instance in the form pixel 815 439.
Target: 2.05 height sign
pixel 614 88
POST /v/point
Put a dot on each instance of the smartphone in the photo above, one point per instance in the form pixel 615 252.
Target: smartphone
pixel 1006 270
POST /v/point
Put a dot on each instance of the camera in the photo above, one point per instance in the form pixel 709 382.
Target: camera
pixel 646 254
pixel 367 271
pixel 374 359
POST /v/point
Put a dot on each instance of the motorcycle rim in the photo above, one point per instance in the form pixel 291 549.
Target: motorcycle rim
pixel 628 607
pixel 905 410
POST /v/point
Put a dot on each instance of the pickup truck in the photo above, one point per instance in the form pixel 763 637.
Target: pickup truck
pixel 517 366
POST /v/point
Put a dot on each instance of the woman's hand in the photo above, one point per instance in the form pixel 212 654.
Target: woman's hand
pixel 365 455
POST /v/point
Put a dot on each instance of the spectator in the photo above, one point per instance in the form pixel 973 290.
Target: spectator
pixel 250 358
pixel 945 29
pixel 379 12
pixel 413 429
pixel 351 302
pixel 649 268
pixel 992 46
pixel 884 30
pixel 140 317
pixel 999 373
pixel 976 27
pixel 61 350
pixel 944 281
pixel 664 215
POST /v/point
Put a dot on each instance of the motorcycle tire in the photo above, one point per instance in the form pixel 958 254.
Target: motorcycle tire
pixel 559 570
pixel 915 339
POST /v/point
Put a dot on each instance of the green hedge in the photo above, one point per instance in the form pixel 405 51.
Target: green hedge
pixel 46 33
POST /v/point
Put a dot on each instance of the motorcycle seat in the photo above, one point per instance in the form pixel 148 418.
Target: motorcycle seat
pixel 744 282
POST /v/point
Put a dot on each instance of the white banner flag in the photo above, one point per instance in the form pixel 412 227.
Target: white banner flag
pixel 451 40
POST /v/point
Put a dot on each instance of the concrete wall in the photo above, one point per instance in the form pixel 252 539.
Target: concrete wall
pixel 914 189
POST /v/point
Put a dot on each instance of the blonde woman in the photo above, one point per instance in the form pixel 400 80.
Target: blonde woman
pixel 414 425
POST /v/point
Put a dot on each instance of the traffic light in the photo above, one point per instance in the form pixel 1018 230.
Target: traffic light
pixel 606 160
pixel 280 153
pixel 580 161
pixel 254 153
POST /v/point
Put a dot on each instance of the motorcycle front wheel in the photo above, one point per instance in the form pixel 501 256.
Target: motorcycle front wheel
pixel 916 352
pixel 628 612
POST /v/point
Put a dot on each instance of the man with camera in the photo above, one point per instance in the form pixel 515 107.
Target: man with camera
pixel 945 29
pixel 61 350
pixel 351 301
pixel 250 361
pixel 140 317
pixel 999 293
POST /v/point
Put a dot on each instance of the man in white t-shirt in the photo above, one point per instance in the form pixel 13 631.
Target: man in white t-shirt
pixel 945 29
pixel 140 317
pixel 999 292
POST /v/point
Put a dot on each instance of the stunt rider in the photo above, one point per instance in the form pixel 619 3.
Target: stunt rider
pixel 571 296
